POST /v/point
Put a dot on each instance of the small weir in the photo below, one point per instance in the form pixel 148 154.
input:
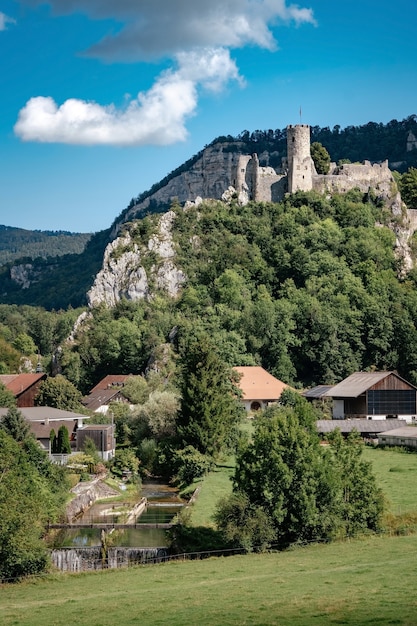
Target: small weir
pixel 110 535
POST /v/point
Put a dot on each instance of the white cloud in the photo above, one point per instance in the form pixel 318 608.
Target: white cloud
pixel 157 116
pixel 4 20
pixel 197 36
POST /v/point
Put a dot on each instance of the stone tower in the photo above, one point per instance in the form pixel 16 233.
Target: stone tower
pixel 300 163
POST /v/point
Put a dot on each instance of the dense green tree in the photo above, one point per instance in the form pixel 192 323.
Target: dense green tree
pixel 63 442
pixel 307 492
pixel 15 425
pixel 32 491
pixel 244 525
pixel 59 393
pixel 209 410
pixel 320 157
pixel 7 398
pixel 21 514
pixel 361 499
pixel 284 471
pixel 24 344
pixel 408 187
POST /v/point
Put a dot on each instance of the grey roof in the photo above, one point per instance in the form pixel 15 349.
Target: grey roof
pixel 356 384
pixel 42 413
pixel 317 392
pixel 405 432
pixel 362 426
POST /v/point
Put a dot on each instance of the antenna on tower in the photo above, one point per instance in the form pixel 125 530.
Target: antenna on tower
pixel 300 113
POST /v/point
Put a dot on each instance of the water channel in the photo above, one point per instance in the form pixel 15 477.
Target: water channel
pixel 163 503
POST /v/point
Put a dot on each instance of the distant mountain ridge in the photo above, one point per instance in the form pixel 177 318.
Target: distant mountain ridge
pixel 16 243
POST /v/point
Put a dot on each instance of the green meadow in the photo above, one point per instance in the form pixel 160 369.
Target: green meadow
pixel 366 581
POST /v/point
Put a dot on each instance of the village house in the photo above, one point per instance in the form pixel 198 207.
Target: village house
pixel 109 389
pixel 258 387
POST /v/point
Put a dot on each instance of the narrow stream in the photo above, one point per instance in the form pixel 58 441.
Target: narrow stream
pixel 163 504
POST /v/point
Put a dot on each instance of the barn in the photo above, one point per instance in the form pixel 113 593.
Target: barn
pixel 374 395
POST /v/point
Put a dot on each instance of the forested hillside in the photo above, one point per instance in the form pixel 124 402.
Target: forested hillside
pixel 16 243
pixel 309 288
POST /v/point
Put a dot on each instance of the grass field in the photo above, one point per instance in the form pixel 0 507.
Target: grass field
pixel 396 474
pixel 358 582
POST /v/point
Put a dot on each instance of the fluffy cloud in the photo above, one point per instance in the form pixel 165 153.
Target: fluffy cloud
pixel 4 20
pixel 155 117
pixel 197 36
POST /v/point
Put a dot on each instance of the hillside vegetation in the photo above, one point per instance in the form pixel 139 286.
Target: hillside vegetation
pixel 310 289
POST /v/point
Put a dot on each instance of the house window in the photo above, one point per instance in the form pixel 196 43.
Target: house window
pixel 255 406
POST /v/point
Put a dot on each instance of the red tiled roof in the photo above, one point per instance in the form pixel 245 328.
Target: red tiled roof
pixel 18 383
pixel 257 384
pixel 111 380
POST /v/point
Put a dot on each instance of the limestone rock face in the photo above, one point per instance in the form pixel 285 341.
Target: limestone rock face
pixel 123 274
pixel 208 177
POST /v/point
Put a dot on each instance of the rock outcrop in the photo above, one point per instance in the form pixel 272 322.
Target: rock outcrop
pixel 123 274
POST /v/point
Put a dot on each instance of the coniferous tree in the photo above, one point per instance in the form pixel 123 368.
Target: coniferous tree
pixel 63 444
pixel 15 425
pixel 209 409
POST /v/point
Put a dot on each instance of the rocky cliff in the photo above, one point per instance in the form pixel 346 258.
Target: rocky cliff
pixel 133 269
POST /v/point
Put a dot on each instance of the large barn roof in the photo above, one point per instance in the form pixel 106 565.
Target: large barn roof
pixel 357 383
pixel 258 384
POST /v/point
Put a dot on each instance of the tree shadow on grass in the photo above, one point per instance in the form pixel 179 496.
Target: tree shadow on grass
pixel 196 539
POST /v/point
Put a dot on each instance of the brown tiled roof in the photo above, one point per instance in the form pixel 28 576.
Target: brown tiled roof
pixel 257 384
pixel 111 380
pixel 18 383
pixel 100 397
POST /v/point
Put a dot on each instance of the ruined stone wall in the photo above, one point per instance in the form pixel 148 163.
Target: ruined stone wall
pixel 271 187
pixel 351 175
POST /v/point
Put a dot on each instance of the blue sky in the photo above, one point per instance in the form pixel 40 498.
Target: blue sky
pixel 100 99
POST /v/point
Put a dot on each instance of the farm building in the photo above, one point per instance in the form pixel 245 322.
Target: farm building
pixel 374 395
pixel 24 387
pixel 258 387
pixel 405 436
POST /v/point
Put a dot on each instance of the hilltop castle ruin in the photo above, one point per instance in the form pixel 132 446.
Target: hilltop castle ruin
pixel 297 173
pixel 223 170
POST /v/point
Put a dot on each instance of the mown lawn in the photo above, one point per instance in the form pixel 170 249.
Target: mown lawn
pixel 396 473
pixel 359 582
